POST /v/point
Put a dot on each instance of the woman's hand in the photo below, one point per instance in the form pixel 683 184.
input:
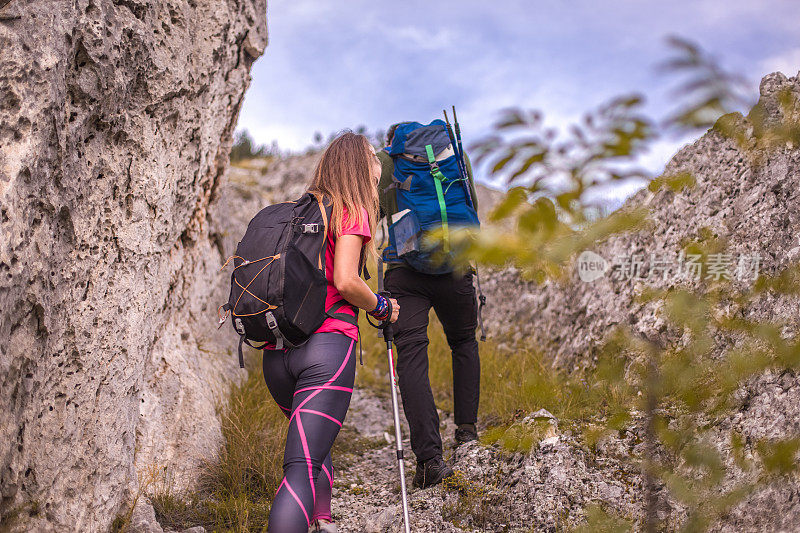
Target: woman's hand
pixel 395 310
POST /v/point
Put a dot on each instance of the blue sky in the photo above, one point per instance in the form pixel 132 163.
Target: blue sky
pixel 332 65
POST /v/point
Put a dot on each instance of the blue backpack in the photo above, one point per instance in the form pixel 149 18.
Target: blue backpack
pixel 432 190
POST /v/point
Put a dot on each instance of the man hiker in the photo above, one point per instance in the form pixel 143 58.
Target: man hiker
pixel 418 283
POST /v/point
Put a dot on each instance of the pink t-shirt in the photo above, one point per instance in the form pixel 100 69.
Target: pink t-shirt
pixel 349 227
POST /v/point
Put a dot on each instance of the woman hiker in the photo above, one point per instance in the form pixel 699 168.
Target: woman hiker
pixel 313 383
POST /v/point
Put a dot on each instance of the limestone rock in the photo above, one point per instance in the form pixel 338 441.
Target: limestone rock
pixel 752 204
pixel 493 490
pixel 143 518
pixel 115 125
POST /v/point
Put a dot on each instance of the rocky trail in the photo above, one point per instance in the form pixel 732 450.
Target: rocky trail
pixel 366 494
pixel 493 490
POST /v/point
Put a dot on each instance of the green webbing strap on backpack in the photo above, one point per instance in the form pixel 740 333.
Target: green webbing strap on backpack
pixel 438 177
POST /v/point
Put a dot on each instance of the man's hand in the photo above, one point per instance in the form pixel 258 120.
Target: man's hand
pixel 395 310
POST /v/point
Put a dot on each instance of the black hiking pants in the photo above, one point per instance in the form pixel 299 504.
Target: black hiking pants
pixel 452 297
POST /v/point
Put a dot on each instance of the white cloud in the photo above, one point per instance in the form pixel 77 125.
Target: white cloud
pixel 417 38
pixel 734 15
pixel 787 62
pixel 299 9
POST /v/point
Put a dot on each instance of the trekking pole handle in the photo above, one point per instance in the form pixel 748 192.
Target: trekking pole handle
pixel 386 325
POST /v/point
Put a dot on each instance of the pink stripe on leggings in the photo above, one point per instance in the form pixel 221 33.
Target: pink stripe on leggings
pixel 324 387
pixel 307 453
pixel 330 478
pixel 327 383
pixel 308 522
pixel 329 417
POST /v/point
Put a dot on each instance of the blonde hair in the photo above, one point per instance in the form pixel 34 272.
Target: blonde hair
pixel 343 177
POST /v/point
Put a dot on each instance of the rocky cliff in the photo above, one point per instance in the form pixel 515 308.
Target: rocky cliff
pixel 116 119
pixel 743 197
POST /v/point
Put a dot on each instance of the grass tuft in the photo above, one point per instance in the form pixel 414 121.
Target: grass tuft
pixel 513 385
pixel 519 437
pixel 474 505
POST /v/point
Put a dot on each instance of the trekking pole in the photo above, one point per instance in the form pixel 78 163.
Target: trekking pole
pixel 388 336
pixel 458 136
pixel 452 136
pixel 461 151
pixel 458 150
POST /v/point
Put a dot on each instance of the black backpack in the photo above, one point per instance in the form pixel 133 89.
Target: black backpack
pixel 278 284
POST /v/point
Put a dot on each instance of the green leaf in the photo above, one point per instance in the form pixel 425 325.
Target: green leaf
pixel 503 161
pixel 529 162
pixel 512 118
pixel 598 520
pixel 779 456
pixel 511 201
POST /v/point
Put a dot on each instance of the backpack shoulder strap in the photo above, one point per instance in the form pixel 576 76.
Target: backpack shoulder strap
pixel 334 312
pixel 325 209
pixel 389 191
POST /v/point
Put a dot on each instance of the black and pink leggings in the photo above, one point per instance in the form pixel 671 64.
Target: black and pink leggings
pixel 312 385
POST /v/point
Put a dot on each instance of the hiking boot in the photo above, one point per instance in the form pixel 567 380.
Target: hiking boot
pixel 466 433
pixel 322 526
pixel 431 472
